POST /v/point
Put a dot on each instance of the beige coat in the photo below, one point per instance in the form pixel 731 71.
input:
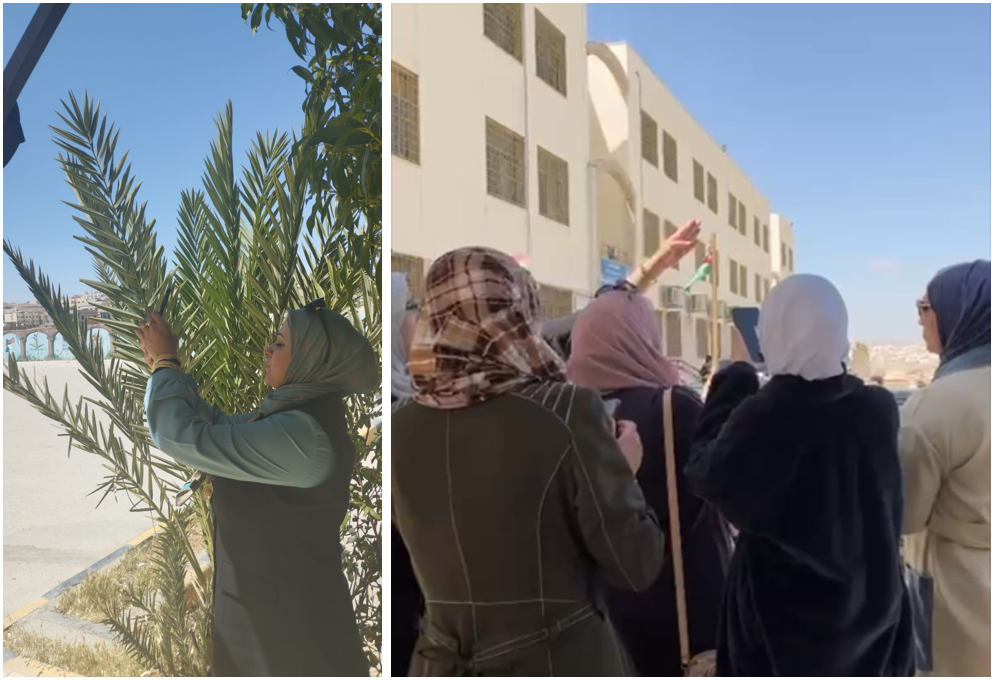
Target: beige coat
pixel 946 456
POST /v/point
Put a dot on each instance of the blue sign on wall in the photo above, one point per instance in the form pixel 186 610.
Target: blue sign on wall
pixel 613 271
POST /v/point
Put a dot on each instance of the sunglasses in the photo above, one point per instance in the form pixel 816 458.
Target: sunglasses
pixel 923 307
pixel 315 305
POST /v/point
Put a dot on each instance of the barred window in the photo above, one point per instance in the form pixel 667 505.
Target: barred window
pixel 550 53
pixel 703 341
pixel 414 267
pixel 505 163
pixel 650 139
pixel 698 181
pixel 733 210
pixel 733 271
pixel 650 231
pixel 502 23
pixel 743 281
pixel 553 187
pixel 712 193
pixel 757 232
pixel 674 334
pixel 555 302
pixel 405 137
pixel 669 230
pixel 743 229
pixel 671 161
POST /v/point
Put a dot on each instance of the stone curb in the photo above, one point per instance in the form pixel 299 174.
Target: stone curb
pixel 19 666
pixel 77 579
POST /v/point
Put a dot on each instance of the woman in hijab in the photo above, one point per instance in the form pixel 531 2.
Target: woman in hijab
pixel 946 458
pixel 280 493
pixel 511 489
pixel 616 351
pixel 408 603
pixel 807 470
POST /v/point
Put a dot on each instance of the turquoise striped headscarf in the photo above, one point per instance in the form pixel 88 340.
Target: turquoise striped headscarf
pixel 327 355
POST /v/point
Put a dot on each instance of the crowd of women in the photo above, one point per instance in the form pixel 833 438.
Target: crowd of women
pixel 580 513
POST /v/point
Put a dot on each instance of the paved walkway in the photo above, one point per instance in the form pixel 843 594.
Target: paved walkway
pixel 51 528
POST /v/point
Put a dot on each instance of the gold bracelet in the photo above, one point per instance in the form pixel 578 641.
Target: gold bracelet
pixel 166 363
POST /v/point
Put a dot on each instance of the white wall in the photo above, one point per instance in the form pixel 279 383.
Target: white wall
pixel 464 78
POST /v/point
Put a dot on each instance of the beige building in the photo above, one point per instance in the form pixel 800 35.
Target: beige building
pixel 489 139
pixel 514 132
pixel 656 169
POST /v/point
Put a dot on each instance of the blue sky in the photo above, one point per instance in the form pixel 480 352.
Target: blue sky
pixel 161 72
pixel 868 126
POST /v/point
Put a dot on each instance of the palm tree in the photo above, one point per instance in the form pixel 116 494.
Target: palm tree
pixel 247 253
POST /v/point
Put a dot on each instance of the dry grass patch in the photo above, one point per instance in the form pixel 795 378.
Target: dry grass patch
pixel 101 660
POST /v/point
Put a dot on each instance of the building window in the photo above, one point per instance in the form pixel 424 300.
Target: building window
pixel 712 193
pixel 703 342
pixel 757 232
pixel 502 22
pixel 766 238
pixel 783 256
pixel 650 232
pixel 743 281
pixel 758 283
pixel 405 126
pixel 733 210
pixel 650 139
pixel 550 53
pixel 414 267
pixel 674 334
pixel 669 231
pixel 505 163
pixel 766 289
pixel 671 157
pixel 733 273
pixel 700 254
pixel 555 302
pixel 553 187
pixel 790 258
pixel 743 229
pixel 699 181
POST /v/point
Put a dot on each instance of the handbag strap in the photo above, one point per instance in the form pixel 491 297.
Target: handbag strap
pixel 669 449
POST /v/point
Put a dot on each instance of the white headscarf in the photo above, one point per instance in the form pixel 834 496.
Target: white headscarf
pixel 804 328
pixel 400 379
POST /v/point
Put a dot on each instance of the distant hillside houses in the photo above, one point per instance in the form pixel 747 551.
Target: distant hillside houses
pixel 19 315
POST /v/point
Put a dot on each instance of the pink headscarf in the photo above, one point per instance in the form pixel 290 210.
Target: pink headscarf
pixel 617 344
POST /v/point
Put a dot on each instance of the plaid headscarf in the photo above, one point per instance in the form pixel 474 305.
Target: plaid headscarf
pixel 477 333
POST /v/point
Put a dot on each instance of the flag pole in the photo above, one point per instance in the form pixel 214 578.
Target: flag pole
pixel 715 340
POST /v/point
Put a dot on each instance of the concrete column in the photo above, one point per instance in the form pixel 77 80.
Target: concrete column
pixel 51 346
pixel 24 344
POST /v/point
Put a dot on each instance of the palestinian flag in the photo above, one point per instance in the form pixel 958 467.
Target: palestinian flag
pixel 703 273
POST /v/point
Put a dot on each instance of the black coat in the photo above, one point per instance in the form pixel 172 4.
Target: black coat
pixel 809 474
pixel 282 604
pixel 647 622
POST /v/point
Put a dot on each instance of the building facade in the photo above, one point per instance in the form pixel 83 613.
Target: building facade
pixel 514 132
pixel 489 139
pixel 656 169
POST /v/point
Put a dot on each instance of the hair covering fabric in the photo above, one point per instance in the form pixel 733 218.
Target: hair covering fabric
pixel 400 379
pixel 477 333
pixel 617 344
pixel 961 298
pixel 327 355
pixel 804 329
